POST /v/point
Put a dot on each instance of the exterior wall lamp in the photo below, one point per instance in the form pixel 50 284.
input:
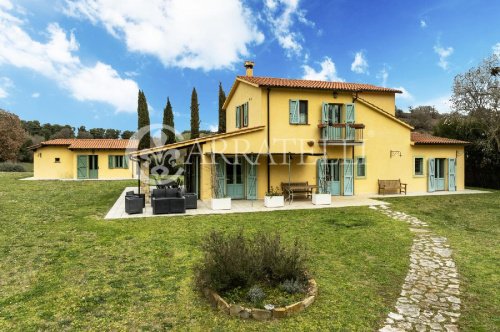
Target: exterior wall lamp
pixel 335 94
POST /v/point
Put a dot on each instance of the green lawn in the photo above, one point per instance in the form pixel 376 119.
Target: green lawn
pixel 471 224
pixel 63 267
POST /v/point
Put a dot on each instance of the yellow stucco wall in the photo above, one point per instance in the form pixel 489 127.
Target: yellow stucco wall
pixel 380 136
pixel 45 166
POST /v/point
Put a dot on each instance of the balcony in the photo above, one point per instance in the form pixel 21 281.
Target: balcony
pixel 341 134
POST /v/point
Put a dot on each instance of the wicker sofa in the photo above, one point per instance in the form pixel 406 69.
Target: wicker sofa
pixel 168 200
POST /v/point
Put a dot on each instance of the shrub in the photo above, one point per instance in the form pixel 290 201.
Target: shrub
pixel 256 295
pixel 292 286
pixel 9 167
pixel 232 261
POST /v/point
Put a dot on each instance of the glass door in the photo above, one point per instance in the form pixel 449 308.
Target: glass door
pixel 234 178
pixel 333 176
pixel 439 171
pixel 93 167
pixel 334 118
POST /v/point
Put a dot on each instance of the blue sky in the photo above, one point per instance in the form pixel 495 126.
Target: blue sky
pixel 81 61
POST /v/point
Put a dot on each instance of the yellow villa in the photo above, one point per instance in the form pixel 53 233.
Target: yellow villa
pixel 103 159
pixel 341 137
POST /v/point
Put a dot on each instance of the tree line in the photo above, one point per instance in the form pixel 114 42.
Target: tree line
pixel 17 135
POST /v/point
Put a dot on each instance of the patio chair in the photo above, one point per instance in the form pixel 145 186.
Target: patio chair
pixel 191 200
pixel 133 204
pixel 142 196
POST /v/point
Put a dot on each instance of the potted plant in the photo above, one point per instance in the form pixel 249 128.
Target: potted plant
pixel 274 198
pixel 219 200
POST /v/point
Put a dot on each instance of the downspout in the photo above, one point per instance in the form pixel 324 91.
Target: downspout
pixel 268 142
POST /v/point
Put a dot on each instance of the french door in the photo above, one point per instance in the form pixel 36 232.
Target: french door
pixel 234 178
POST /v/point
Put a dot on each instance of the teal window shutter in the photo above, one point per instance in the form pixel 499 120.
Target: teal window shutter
pixel 349 113
pixel 322 184
pixel 349 118
pixel 294 111
pixel 111 160
pixel 245 115
pixel 238 117
pixel 348 177
pixel 452 185
pixel 125 161
pixel 431 180
pixel 324 113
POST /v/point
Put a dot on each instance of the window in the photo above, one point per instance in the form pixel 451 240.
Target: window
pixel 361 167
pixel 418 168
pixel 57 160
pixel 117 162
pixel 242 116
pixel 298 112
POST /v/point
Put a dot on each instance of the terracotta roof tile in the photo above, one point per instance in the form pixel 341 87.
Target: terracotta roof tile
pixel 309 84
pixel 419 138
pixel 84 143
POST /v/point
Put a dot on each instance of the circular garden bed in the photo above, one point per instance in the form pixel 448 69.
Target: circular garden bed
pixel 259 277
pixel 241 311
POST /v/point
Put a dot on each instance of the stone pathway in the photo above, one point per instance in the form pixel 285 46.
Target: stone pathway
pixel 430 298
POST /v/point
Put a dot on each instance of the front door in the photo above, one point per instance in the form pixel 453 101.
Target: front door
pixel 234 178
pixel 439 172
pixel 333 176
pixel 82 167
pixel 93 167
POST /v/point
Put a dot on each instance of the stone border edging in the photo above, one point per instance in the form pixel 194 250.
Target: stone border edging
pixel 262 314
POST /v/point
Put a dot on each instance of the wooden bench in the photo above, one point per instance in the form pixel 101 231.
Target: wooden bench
pixel 293 189
pixel 385 186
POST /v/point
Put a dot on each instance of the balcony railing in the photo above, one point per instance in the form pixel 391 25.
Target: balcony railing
pixel 341 133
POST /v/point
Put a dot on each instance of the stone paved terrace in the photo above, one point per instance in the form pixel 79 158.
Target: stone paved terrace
pixel 246 206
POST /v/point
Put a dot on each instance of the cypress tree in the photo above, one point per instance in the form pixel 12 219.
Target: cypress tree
pixel 195 115
pixel 143 120
pixel 168 121
pixel 222 113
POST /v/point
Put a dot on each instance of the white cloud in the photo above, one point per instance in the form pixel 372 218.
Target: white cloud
pixel 444 53
pixel 423 24
pixel 496 49
pixel 56 60
pixel 281 15
pixel 103 84
pixel 5 84
pixel 441 103
pixel 35 95
pixel 383 75
pixel 405 95
pixel 213 128
pixel 359 65
pixel 328 72
pixel 182 33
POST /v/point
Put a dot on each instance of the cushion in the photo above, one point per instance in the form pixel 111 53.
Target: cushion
pixel 171 192
pixel 158 193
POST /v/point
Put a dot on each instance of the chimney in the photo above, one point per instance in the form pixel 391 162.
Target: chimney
pixel 249 68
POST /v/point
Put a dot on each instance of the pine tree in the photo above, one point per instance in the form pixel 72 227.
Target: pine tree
pixel 168 122
pixel 222 113
pixel 143 120
pixel 195 115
